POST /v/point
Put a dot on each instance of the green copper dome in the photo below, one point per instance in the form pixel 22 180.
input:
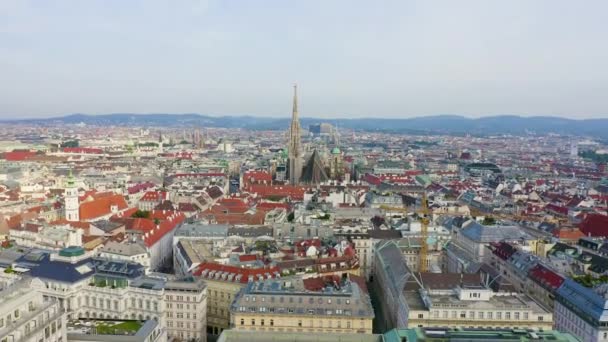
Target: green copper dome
pixel 335 150
pixel 71 251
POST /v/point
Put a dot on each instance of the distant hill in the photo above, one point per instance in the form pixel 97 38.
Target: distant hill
pixel 440 124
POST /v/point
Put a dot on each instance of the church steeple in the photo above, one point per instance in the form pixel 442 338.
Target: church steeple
pixel 72 204
pixel 294 113
pixel 294 149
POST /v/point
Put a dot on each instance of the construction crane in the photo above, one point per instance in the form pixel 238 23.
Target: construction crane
pixel 425 219
pixel 424 213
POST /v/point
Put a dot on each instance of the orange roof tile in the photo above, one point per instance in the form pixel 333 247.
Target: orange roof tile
pixel 101 206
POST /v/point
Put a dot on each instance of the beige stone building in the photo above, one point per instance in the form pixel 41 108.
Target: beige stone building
pixel 461 300
pixel 223 283
pixel 186 309
pixel 287 306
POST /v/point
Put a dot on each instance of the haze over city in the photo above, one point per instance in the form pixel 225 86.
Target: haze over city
pixel 350 58
pixel 303 171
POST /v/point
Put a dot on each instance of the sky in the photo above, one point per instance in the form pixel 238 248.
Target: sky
pixel 350 58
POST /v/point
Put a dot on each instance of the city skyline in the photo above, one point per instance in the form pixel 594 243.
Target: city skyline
pixel 402 59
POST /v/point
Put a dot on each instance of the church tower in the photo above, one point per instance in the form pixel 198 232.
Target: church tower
pixel 71 200
pixel 294 149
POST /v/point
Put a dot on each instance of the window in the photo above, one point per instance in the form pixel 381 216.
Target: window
pixel 253 321
pixel 526 316
pixel 471 314
pixel 463 314
pixel 262 321
pixel 499 315
pixel 489 315
pixel 420 315
pixel 507 315
pixel 272 322
pixel 516 316
pixel 540 318
pixel 300 323
pixel 242 321
pixel 480 315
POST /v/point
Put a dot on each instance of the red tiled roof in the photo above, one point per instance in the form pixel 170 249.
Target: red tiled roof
pixel 154 196
pixel 545 277
pixel 371 179
pixel 18 155
pixel 256 177
pixel 187 207
pixel 595 225
pixel 101 206
pixel 265 191
pixel 169 220
pixel 248 257
pixel 214 192
pixel 86 150
pixel 140 187
pixel 568 234
pixel 503 250
pixel 557 209
pixel 196 175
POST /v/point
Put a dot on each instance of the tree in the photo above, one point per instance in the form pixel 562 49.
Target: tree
pixel 141 214
pixel 489 221
pixel 69 143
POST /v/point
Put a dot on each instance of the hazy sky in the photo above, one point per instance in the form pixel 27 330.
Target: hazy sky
pixel 350 58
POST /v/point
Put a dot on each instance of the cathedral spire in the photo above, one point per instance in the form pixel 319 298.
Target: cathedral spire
pixel 294 148
pixel 294 115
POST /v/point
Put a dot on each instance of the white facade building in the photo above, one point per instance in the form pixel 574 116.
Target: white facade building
pixel 25 315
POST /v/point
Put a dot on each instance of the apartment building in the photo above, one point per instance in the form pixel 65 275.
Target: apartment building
pixel 25 315
pixel 223 283
pixel 582 311
pixel 290 306
pixel 463 300
pixel 186 309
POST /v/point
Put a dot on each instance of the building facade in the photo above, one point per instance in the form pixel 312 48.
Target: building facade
pixel 279 305
pixel 25 315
